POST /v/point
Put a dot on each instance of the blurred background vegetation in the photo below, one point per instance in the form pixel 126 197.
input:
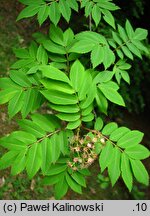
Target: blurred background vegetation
pixel 15 34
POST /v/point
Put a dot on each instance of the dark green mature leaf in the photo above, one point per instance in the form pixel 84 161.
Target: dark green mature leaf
pixel 126 171
pixel 140 172
pixel 130 139
pixel 138 152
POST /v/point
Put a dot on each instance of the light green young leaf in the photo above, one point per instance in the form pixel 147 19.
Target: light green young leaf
pixel 97 55
pixel 31 127
pixel 108 17
pixel 54 13
pixel 77 75
pixel 56 35
pixel 73 4
pixel 29 11
pixel 96 14
pixel 19 164
pixel 103 76
pixel 102 102
pixel 127 52
pixel 69 116
pixel 68 37
pixel 111 94
pixel 79 178
pixel 61 188
pixel 105 156
pixel 140 172
pixel 138 152
pixel 140 34
pixel 34 160
pixel 53 47
pixel 20 78
pixel 114 168
pixel 8 159
pixel 7 95
pixel 54 73
pixel 65 108
pixel 88 117
pixel 42 56
pixel 46 121
pixel 29 98
pixel 129 29
pixel 98 124
pixel 74 125
pixel 73 185
pixel 126 171
pixel 130 139
pixel 109 128
pixel 65 9
pixel 82 46
pixel 134 50
pixel 118 133
pixel 43 14
pixel 61 98
pixel 56 169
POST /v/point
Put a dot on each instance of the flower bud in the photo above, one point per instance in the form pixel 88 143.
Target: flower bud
pixel 90 160
pixel 102 140
pixel 89 145
pixel 75 159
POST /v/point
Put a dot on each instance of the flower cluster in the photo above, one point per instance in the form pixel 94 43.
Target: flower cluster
pixel 83 150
